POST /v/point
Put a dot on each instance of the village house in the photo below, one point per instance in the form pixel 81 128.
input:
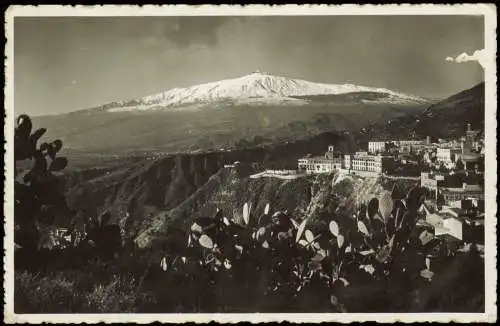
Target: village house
pixel 450 226
pixel 452 194
pixel 432 181
pixel 410 145
pixel 434 219
pixel 465 204
pixel 448 156
pixel 472 162
pixel 452 222
pixel 443 224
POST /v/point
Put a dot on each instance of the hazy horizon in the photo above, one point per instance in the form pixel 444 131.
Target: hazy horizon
pixel 64 64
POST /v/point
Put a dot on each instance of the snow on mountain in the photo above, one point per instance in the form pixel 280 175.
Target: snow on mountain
pixel 257 88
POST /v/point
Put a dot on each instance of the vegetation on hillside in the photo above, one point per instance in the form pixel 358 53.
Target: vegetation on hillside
pixel 444 119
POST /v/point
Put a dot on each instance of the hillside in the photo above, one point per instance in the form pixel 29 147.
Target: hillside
pixel 445 119
pixel 169 193
pixel 314 197
pixel 143 186
pixel 224 128
pixel 453 113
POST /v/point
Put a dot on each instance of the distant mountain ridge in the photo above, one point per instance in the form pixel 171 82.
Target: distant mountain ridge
pixel 257 88
pixel 228 114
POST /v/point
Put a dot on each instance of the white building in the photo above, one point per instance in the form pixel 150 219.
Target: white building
pixel 402 145
pixel 448 156
pixel 432 182
pixel 410 145
pixel 376 146
pixel 320 164
pixel 444 223
pixel 364 162
pixel 450 226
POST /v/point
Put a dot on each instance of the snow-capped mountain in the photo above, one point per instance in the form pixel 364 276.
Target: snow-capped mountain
pixel 259 88
pixel 259 108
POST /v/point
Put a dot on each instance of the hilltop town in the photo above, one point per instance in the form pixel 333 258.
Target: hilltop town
pixel 451 171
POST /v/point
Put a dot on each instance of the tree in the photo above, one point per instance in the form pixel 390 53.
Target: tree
pixel 390 147
pixel 459 165
pixel 442 168
pixel 440 201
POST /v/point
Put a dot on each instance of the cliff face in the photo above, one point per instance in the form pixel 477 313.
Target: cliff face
pixel 147 188
pixel 151 197
pixel 229 189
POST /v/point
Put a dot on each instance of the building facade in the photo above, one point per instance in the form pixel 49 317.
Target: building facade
pixel 364 162
pixel 410 145
pixel 401 145
pixel 376 146
pixel 450 226
pixel 320 164
pixel 465 192
pixel 448 155
pixel 431 181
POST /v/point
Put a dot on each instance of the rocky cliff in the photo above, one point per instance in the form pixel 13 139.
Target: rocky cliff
pixel 146 188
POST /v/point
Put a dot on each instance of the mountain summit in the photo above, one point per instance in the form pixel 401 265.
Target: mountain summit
pixel 259 88
pixel 253 110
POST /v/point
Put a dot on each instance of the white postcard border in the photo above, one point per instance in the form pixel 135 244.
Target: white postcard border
pixel 489 12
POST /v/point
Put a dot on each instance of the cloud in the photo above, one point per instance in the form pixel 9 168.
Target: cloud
pixel 189 30
pixel 479 56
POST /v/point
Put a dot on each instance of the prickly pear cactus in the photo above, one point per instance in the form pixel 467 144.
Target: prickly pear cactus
pixel 38 200
pixel 388 222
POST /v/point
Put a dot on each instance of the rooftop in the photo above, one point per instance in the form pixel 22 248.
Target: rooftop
pixel 448 238
pixel 469 188
pixel 365 156
pixel 470 157
pixel 456 210
pixel 321 158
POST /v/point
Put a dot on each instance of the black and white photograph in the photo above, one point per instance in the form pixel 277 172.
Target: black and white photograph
pixel 257 163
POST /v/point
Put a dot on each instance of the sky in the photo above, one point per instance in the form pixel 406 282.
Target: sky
pixel 63 64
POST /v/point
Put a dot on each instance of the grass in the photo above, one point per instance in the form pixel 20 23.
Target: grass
pixel 73 291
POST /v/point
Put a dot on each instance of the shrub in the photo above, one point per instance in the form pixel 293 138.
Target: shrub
pixel 52 293
pixel 120 295
pixel 76 292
